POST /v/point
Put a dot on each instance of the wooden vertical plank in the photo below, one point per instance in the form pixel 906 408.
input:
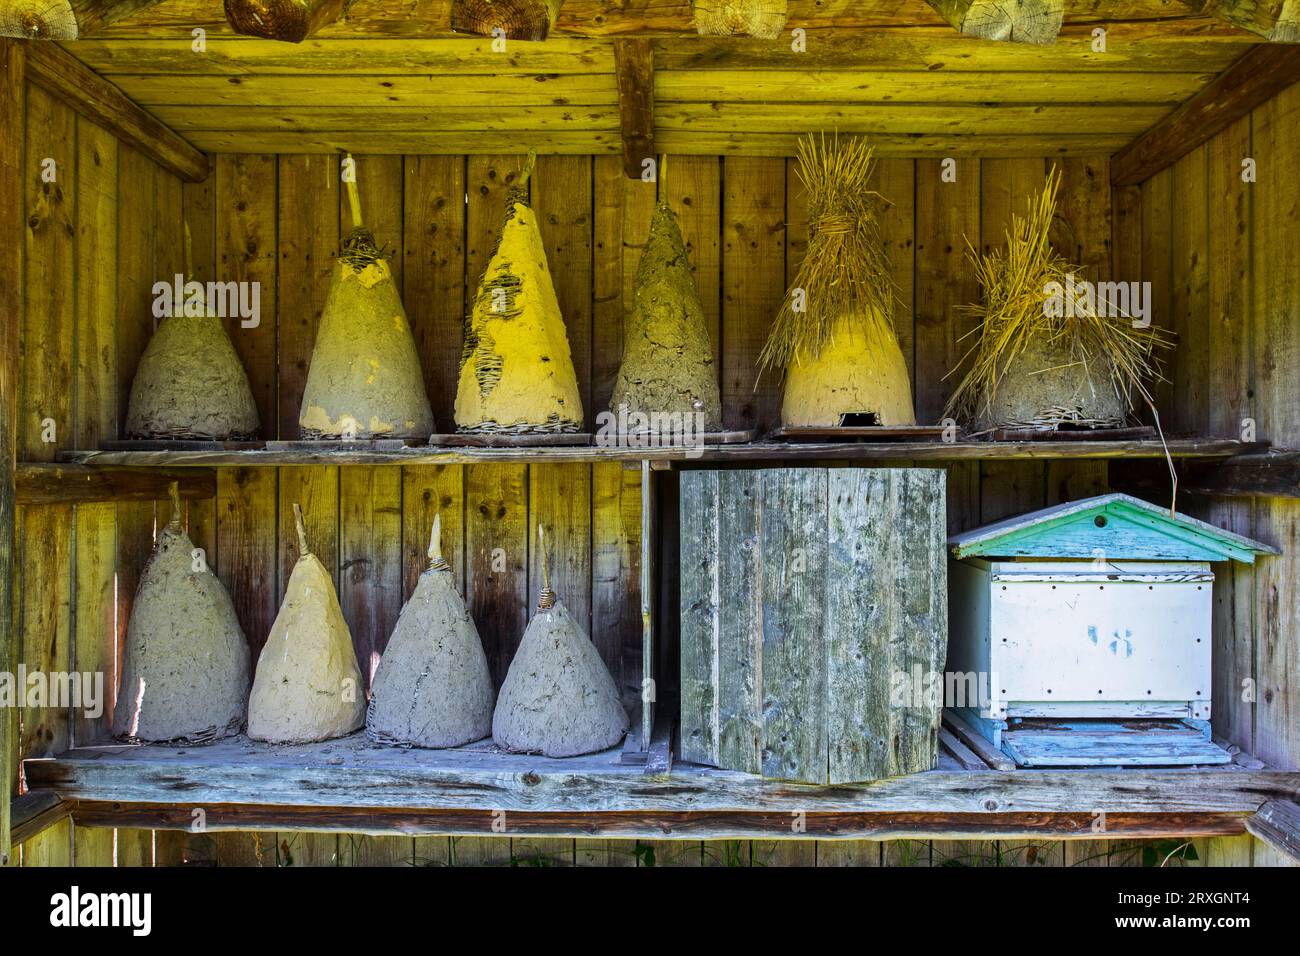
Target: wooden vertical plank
pixel 793 586
pixel 615 565
pixel 1158 267
pixel 434 273
pixel 895 179
pixel 496 555
pixel 52 847
pixel 429 490
pixel 848 853
pixel 753 272
pixel 487 178
pixel 94 617
pixel 1190 291
pixel 562 200
pixel 12 305
pixel 246 513
pixel 315 488
pixel 701 616
pixel 739 674
pixel 622 211
pixel 246 186
pixel 774 853
pixel 1228 313
pixel 307 231
pixel 370 558
pixel 692 186
pixel 432 851
pixel 358 849
pixel 946 212
pixel 200 214
pixel 480 851
pixel 382 184
pixel 559 498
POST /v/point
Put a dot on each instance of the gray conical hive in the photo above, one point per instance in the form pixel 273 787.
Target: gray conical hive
pixel 185 676
pixel 365 379
pixel 190 383
pixel 432 688
pixel 558 698
pixel 667 358
pixel 308 685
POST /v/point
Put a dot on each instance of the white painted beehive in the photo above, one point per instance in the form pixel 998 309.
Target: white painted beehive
pixel 1081 634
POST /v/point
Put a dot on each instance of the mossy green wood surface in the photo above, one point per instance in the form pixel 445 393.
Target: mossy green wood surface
pixel 797 613
pixel 1114 525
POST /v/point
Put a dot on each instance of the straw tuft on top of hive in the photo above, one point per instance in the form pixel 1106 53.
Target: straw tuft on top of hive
pixel 668 365
pixel 189 383
pixel 365 380
pixel 516 370
pixel 834 336
pixel 186 669
pixel 1085 364
pixel 308 685
pixel 558 698
pixel 432 688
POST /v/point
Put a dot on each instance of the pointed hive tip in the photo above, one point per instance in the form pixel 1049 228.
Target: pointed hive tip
pixel 303 549
pixel 174 492
pixel 546 599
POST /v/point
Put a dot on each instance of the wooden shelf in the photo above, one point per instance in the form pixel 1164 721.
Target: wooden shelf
pixel 748 452
pixel 356 785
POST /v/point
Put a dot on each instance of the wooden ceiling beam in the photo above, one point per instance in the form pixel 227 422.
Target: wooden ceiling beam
pixel 1257 77
pixel 63 75
pixel 1275 20
pixel 291 21
pixel 762 19
pixel 516 19
pixel 1017 21
pixel 63 19
pixel 634 66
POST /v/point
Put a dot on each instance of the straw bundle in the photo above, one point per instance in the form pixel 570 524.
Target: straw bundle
pixel 668 362
pixel 516 371
pixel 308 685
pixel 186 670
pixel 837 346
pixel 558 698
pixel 1032 369
pixel 432 688
pixel 365 379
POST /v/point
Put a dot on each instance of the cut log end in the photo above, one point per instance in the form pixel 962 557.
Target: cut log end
pixel 762 19
pixel 514 19
pixel 1016 21
pixel 38 20
pixel 291 21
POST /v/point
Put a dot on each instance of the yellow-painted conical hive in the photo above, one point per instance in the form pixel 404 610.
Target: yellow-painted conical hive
pixel 308 685
pixel 558 698
pixel 668 365
pixel 186 670
pixel 516 371
pixel 834 336
pixel 190 383
pixel 432 688
pixel 1040 362
pixel 365 380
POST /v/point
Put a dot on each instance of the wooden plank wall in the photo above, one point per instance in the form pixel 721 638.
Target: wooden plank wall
pixel 1222 257
pixel 276 219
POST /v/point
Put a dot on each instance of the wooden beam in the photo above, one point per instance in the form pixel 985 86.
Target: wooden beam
pixel 63 75
pixel 634 65
pixel 1277 823
pixel 514 19
pixel 35 812
pixel 1275 20
pixel 1255 78
pixel 1019 21
pixel 63 19
pixel 659 825
pixel 12 226
pixel 44 484
pixel 1274 474
pixel 289 20
pixel 763 19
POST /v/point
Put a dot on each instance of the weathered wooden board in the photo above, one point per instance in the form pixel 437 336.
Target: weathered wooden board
pixel 798 617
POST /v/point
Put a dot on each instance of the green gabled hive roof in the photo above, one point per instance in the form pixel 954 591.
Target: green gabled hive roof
pixel 1120 527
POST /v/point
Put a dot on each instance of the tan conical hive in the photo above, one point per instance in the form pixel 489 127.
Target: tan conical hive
pixel 668 362
pixel 432 688
pixel 516 372
pixel 365 380
pixel 860 373
pixel 308 685
pixel 190 384
pixel 558 698
pixel 186 670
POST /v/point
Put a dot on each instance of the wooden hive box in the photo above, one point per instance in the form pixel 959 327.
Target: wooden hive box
pixel 806 594
pixel 1083 632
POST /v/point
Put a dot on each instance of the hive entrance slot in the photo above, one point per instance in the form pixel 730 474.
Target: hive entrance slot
pixel 859 419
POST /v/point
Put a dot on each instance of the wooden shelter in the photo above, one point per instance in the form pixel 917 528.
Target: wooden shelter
pixel 1176 128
